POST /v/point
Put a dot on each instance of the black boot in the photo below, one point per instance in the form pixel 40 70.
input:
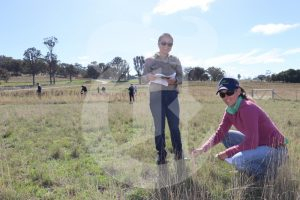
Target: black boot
pixel 178 155
pixel 161 158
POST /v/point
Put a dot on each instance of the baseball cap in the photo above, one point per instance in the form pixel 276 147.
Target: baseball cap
pixel 227 84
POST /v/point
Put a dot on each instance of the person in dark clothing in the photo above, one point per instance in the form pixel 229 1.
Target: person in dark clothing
pixel 39 90
pixel 83 89
pixel 131 93
pixel 103 90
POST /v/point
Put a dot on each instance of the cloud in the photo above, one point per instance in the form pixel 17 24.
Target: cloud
pixel 292 51
pixel 270 29
pixel 248 58
pixel 189 61
pixel 167 7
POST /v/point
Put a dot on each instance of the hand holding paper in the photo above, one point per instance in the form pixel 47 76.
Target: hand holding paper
pixel 162 79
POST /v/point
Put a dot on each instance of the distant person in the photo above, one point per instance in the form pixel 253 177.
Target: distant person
pixel 256 147
pixel 83 90
pixel 135 90
pixel 131 93
pixel 164 96
pixel 39 90
pixel 103 89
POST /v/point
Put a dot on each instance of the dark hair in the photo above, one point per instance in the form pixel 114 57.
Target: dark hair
pixel 244 95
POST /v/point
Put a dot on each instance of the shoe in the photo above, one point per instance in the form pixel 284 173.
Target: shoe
pixel 178 156
pixel 161 159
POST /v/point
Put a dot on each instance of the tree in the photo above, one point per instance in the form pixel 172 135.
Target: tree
pixel 103 69
pixel 96 70
pixel 13 66
pixel 197 74
pixel 4 75
pixel 52 61
pixel 216 74
pixel 92 72
pixel 186 71
pixel 69 70
pixel 268 75
pixel 81 70
pixel 290 75
pixel 261 77
pixel 139 62
pixel 51 58
pixel 119 68
pixel 32 66
pixel 239 76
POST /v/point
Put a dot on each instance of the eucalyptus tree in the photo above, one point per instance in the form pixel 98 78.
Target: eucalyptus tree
pixel 68 70
pixel 103 70
pixel 139 62
pixel 95 70
pixel 4 75
pixel 52 61
pixel 32 62
pixel 197 74
pixel 92 71
pixel 51 58
pixel 120 69
pixel 13 66
pixel 215 73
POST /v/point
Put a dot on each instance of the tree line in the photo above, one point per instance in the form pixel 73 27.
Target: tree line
pixel 34 63
pixel 289 76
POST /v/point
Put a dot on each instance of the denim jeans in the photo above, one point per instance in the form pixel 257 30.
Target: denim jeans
pixel 164 104
pixel 258 162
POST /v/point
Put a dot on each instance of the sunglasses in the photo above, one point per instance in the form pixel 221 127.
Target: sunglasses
pixel 166 43
pixel 228 93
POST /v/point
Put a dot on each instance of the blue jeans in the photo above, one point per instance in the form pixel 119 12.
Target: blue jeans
pixel 164 104
pixel 258 162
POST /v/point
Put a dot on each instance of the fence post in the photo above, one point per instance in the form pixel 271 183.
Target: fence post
pixel 272 93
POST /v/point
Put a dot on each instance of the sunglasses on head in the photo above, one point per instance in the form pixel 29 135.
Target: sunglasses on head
pixel 166 43
pixel 228 93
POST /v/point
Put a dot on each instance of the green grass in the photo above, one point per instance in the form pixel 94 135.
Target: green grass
pixel 68 146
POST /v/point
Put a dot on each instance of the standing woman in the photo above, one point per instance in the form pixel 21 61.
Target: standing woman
pixel 164 72
pixel 256 147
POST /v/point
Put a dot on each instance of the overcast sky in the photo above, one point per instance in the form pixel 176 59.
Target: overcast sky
pixel 246 37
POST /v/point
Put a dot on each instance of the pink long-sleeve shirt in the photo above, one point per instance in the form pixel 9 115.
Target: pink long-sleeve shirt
pixel 254 123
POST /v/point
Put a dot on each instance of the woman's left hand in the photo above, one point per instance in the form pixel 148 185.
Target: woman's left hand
pixel 171 81
pixel 222 155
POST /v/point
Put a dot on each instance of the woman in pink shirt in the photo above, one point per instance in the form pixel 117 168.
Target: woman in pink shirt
pixel 256 147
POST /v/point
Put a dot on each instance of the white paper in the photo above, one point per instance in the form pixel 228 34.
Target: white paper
pixel 162 79
pixel 229 160
pixel 172 76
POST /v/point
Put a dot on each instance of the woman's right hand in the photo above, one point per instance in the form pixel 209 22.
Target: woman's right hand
pixel 197 152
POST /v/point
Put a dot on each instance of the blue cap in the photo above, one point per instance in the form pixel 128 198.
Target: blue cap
pixel 228 84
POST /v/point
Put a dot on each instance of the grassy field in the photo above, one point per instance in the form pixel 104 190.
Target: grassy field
pixel 68 146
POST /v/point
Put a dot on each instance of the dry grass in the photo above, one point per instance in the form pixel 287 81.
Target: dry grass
pixel 68 146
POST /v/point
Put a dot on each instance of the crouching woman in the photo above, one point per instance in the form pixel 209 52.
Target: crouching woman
pixel 256 147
